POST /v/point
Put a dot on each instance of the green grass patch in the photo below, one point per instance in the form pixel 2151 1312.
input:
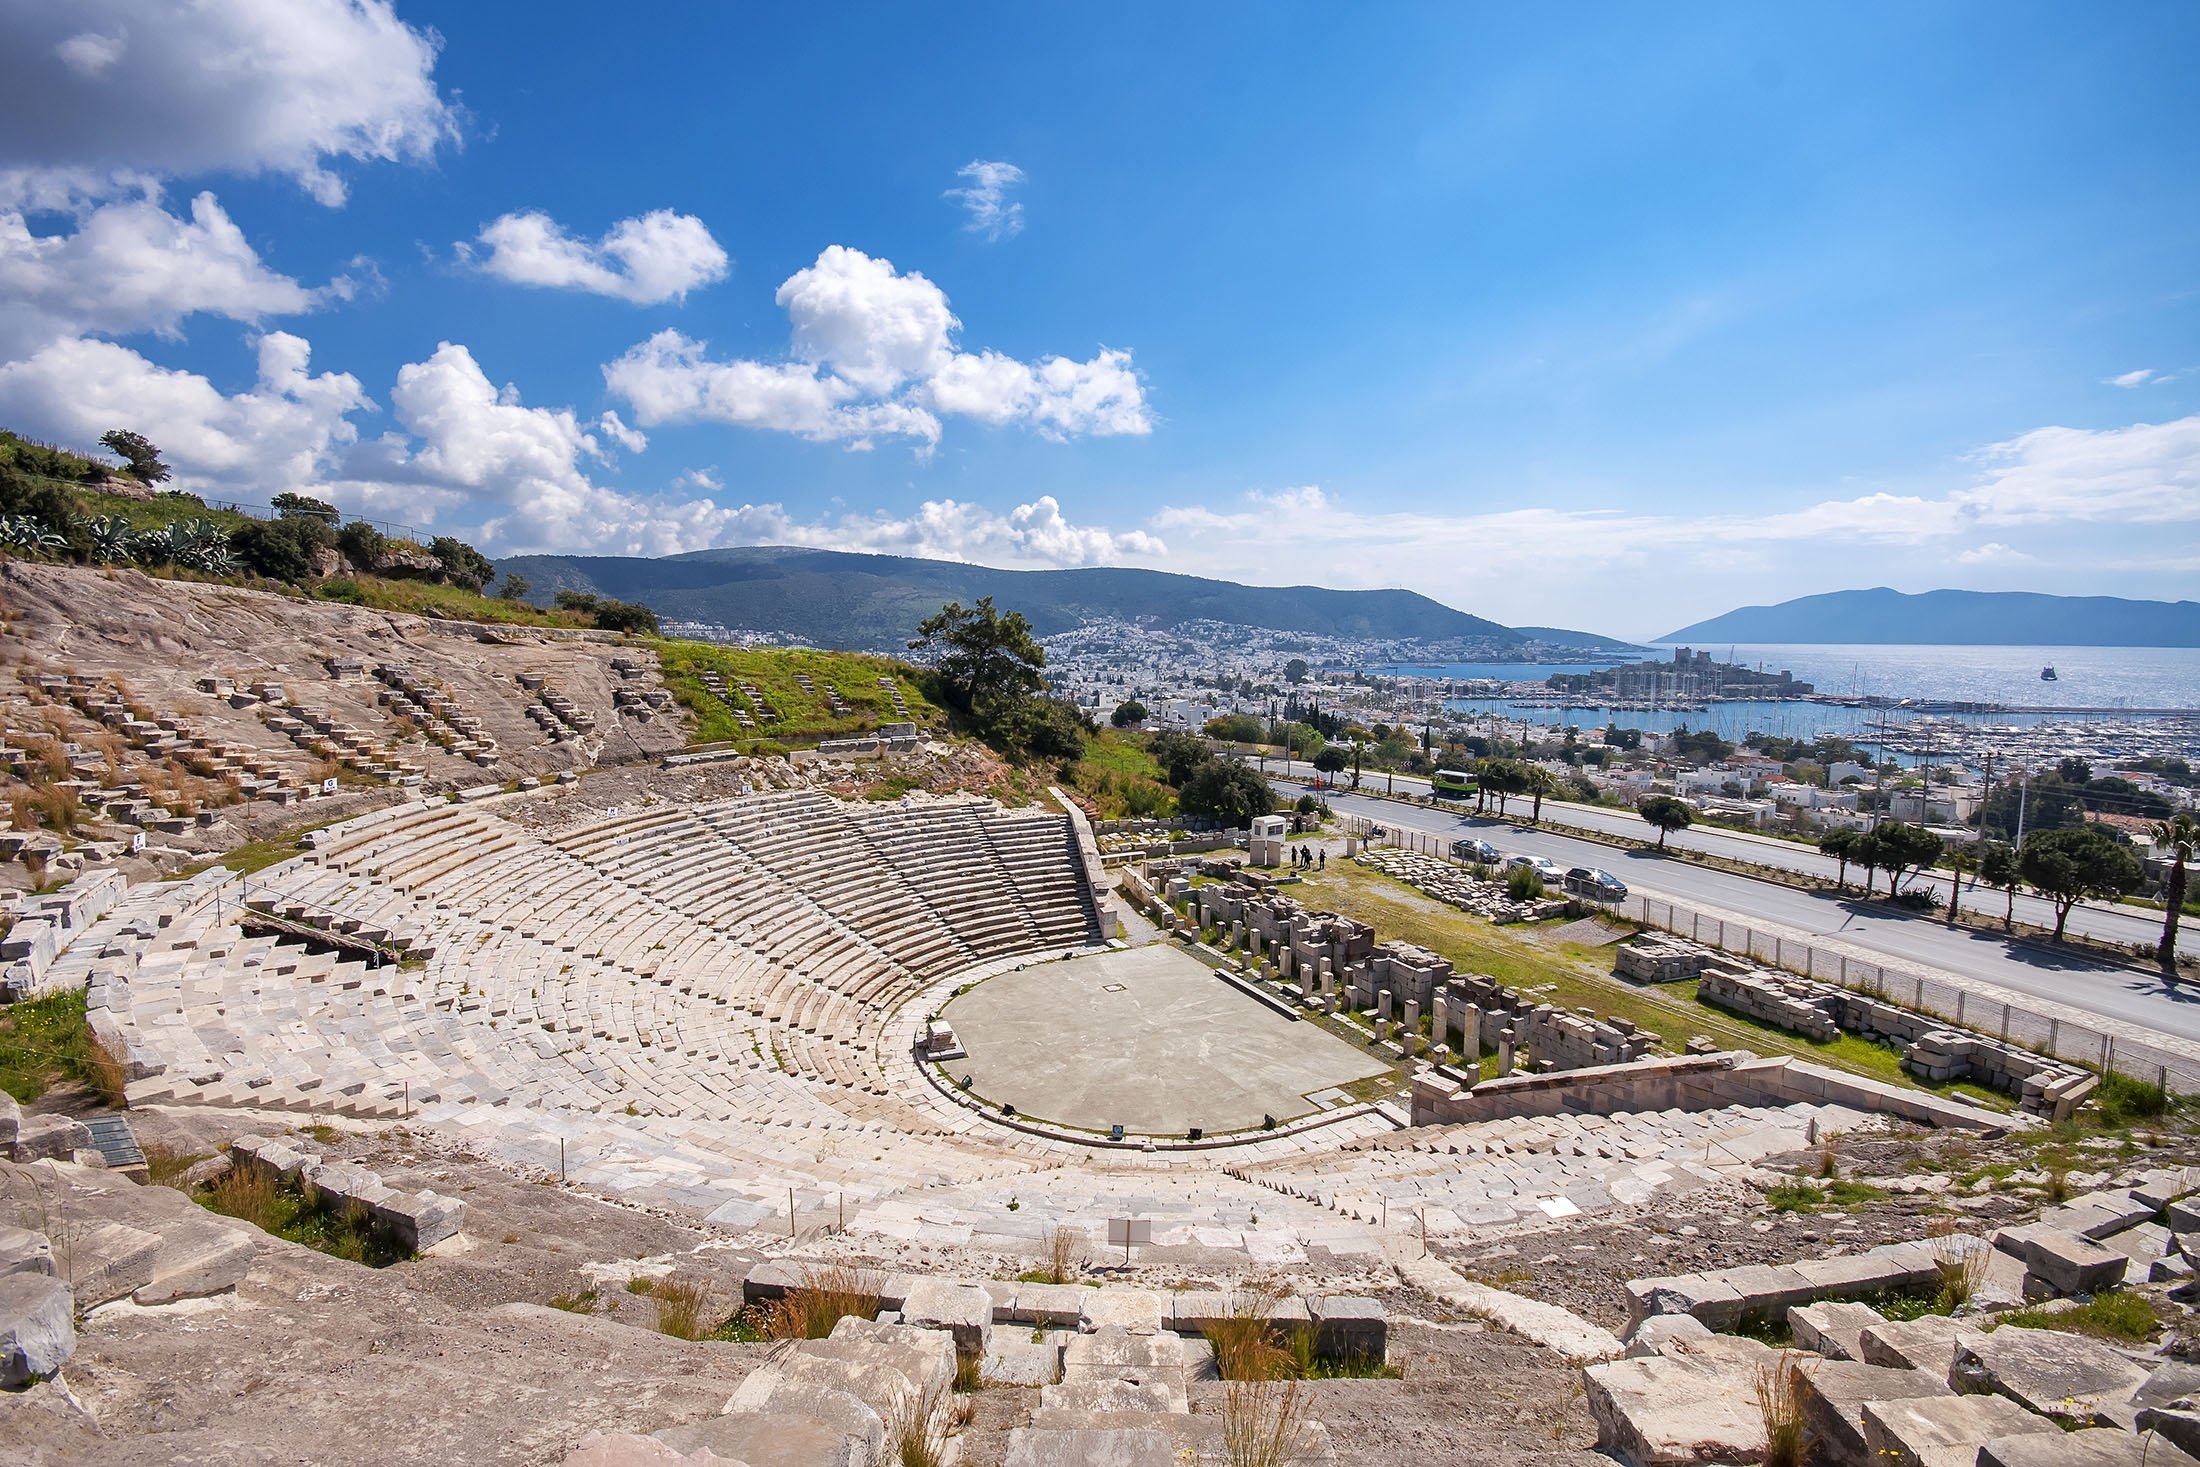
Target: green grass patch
pixel 44 1043
pixel 2113 1316
pixel 1844 1193
pixel 347 1231
pixel 1573 976
pixel 1121 778
pixel 1795 1196
pixel 2123 1101
pixel 802 713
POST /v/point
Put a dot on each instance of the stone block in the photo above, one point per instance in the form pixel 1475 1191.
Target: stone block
pixel 50 1138
pixel 1925 1343
pixel 759 1439
pixel 2066 1262
pixel 1653 1335
pixel 770 1280
pixel 108 1260
pixel 1125 1446
pixel 768 1392
pixel 1141 1311
pixel 23 1251
pixel 1350 1328
pixel 37 1327
pixel 1833 1329
pixel 1054 1305
pixel 2101 1447
pixel 1677 1410
pixel 1942 1431
pixel 963 1310
pixel 2075 1380
pixel 420 1220
pixel 1834 1393
pixel 1015 1359
pixel 2098 1215
pixel 197 1259
pixel 2175 1425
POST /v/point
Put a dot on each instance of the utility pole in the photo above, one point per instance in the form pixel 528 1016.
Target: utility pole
pixel 2024 790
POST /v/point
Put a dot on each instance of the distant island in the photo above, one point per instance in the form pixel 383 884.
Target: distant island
pixel 1955 618
pixel 831 598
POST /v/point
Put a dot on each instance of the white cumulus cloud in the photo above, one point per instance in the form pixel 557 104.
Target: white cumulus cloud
pixel 632 440
pixel 875 357
pixel 2147 473
pixel 987 209
pixel 280 433
pixel 134 266
pixel 151 89
pixel 656 257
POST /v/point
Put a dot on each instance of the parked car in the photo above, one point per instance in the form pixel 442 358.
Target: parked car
pixel 1475 852
pixel 1543 866
pixel 1600 886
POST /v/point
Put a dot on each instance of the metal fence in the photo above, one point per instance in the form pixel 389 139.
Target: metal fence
pixel 1953 1002
pixel 1939 998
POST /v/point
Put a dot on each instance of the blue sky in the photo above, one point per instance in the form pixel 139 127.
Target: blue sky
pixel 1598 316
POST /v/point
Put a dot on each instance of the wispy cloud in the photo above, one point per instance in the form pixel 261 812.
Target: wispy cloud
pixel 2137 378
pixel 986 205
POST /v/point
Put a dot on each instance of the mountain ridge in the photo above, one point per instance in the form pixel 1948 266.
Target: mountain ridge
pixel 853 599
pixel 1883 616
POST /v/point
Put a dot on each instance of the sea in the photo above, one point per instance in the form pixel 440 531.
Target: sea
pixel 2108 678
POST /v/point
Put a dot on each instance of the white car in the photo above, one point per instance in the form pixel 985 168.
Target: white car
pixel 1543 866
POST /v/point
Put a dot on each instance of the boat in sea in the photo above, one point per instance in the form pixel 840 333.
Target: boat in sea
pixel 2047 674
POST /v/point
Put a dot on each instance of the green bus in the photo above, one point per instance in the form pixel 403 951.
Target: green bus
pixel 1453 784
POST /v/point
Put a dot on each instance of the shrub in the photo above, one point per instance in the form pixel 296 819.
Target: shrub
pixel 247 1193
pixel 1523 883
pixel 2122 1100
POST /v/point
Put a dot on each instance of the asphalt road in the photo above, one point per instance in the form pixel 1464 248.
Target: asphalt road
pixel 2135 998
pixel 2105 923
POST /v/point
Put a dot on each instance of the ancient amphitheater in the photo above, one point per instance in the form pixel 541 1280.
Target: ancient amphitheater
pixel 636 1031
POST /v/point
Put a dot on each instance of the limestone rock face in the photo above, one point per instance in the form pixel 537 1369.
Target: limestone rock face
pixel 1692 1405
pixel 2066 1377
pixel 1943 1431
pixel 2103 1447
pixel 37 1327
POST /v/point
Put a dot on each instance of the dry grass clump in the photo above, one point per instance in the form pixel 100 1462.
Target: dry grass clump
pixel 248 1193
pixel 1247 1345
pixel 916 1427
pixel 1779 1391
pixel 1961 1263
pixel 828 1294
pixel 681 1306
pixel 104 1073
pixel 1065 1254
pixel 165 1165
pixel 1263 1422
pixel 45 807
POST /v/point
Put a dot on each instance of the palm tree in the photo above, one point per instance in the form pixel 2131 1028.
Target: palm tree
pixel 1541 782
pixel 2180 836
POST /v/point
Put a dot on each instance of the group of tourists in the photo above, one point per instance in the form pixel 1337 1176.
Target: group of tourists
pixel 1309 858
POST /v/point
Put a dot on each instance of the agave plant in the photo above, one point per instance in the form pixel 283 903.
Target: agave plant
pixel 114 539
pixel 24 535
pixel 200 545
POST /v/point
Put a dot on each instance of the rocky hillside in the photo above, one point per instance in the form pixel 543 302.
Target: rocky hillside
pixel 187 717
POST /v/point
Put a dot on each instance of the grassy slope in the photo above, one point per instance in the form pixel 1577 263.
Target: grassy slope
pixel 1121 778
pixel 802 715
pixel 1572 975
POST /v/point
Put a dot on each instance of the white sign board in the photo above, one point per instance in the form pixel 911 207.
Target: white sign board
pixel 137 842
pixel 328 786
pixel 1129 1232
